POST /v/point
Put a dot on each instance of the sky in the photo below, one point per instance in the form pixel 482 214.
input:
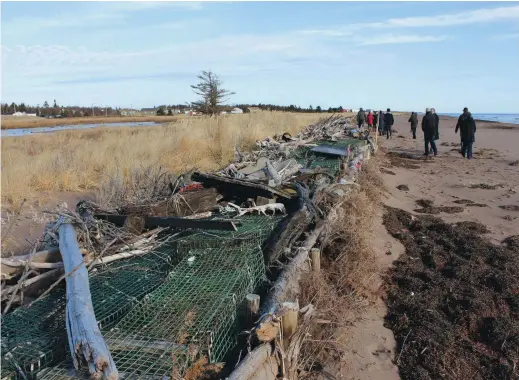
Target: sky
pixel 402 55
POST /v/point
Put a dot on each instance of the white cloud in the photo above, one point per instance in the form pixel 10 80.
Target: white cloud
pixel 463 18
pixel 93 15
pixel 400 39
pixel 509 36
pixel 478 16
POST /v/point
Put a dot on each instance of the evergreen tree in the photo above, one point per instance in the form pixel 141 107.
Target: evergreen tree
pixel 46 104
pixel 55 104
pixel 318 109
pixel 211 93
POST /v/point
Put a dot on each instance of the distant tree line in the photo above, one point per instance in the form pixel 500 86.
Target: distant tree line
pixel 290 108
pixel 56 110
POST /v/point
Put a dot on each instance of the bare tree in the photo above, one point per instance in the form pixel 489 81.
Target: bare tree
pixel 211 92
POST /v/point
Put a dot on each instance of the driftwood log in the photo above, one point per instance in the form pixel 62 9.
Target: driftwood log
pixel 248 367
pixel 286 287
pixel 296 224
pixel 85 340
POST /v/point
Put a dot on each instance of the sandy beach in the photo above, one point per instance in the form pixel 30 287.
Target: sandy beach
pixel 484 189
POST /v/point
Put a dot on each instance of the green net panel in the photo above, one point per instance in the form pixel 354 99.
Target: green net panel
pixel 35 337
pixel 193 314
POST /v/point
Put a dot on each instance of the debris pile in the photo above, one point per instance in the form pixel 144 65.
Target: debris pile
pixel 169 269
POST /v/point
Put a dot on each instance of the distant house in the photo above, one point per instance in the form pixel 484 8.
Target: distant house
pixel 148 111
pixel 23 114
pixel 236 110
pixel 129 112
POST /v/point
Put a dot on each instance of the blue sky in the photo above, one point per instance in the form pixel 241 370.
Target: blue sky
pixel 403 55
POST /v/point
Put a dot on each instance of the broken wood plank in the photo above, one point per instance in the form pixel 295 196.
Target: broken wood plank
pixel 174 222
pixel 240 187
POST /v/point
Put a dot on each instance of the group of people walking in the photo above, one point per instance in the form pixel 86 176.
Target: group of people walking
pixel 430 127
pixel 384 121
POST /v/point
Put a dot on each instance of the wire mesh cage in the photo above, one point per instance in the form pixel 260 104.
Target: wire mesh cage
pixel 34 338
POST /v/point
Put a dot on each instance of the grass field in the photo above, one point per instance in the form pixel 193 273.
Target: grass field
pixel 15 122
pixel 33 166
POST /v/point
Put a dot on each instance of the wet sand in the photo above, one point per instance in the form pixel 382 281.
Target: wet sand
pixel 486 189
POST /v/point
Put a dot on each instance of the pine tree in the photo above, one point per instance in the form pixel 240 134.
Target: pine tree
pixel 46 104
pixel 318 109
pixel 211 92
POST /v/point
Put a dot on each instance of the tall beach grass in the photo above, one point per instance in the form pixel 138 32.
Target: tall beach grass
pixel 33 166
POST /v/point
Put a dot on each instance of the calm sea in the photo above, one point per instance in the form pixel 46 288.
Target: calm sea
pixel 512 118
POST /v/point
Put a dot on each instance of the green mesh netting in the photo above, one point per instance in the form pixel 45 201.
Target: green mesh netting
pixel 331 164
pixel 34 337
pixel 158 312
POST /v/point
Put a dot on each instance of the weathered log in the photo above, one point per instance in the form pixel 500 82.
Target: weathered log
pixel 85 340
pixel 296 224
pixel 11 267
pixel 286 287
pixel 252 362
pixel 26 283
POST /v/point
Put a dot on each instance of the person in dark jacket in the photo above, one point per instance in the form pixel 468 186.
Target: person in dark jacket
pixel 467 127
pixel 389 120
pixel 381 126
pixel 436 125
pixel 414 123
pixel 428 128
pixel 361 117
pixel 375 120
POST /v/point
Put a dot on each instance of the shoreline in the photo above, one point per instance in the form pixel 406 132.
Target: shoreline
pixel 12 122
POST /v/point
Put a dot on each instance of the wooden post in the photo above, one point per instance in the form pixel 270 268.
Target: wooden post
pixel 253 304
pixel 315 255
pixel 289 321
pixel 84 337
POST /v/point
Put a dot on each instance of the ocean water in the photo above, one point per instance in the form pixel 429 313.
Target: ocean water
pixel 33 131
pixel 511 118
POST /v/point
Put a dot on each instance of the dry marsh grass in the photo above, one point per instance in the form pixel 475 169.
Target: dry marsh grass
pixel 346 286
pixel 83 160
pixel 16 122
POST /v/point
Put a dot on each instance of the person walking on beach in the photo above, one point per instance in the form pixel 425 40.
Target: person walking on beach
pixel 361 117
pixel 414 123
pixel 389 120
pixel 428 128
pixel 467 127
pixel 381 126
pixel 436 124
pixel 370 121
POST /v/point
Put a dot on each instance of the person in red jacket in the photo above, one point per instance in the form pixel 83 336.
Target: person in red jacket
pixel 371 118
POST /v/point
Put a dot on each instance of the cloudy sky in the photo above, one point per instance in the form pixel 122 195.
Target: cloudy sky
pixel 402 55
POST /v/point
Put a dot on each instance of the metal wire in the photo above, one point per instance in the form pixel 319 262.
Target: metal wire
pixel 135 299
